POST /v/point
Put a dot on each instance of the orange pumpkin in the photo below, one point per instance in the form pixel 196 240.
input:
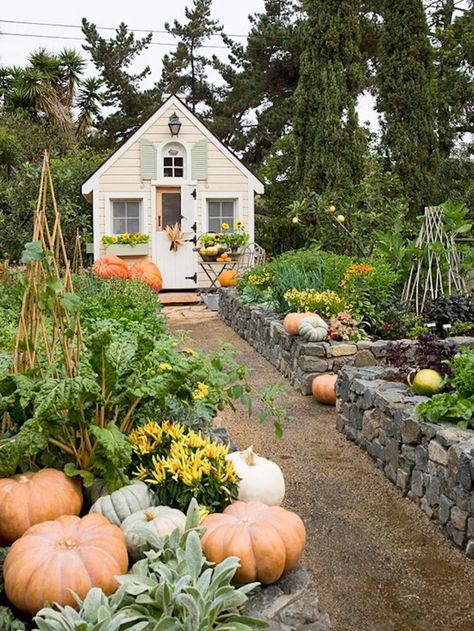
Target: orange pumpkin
pixel 110 266
pixel 67 555
pixel 292 321
pixel 324 389
pixel 32 497
pixel 268 540
pixel 228 278
pixel 148 272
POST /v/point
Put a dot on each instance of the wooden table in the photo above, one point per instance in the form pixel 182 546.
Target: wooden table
pixel 213 269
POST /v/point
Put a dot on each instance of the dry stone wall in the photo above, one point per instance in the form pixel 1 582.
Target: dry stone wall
pixel 432 464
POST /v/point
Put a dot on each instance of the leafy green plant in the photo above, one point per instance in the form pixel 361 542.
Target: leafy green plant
pixel 174 587
pixel 462 328
pixel 450 309
pixel 292 278
pixel 126 239
pixel 8 621
pixel 458 406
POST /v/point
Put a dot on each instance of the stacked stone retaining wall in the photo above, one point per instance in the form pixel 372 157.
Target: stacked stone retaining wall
pixel 296 359
pixel 432 464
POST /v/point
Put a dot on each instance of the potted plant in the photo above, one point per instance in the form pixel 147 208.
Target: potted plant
pixel 211 246
pixel 126 244
pixel 236 239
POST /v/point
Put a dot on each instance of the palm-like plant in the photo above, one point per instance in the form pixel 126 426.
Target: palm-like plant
pixel 51 86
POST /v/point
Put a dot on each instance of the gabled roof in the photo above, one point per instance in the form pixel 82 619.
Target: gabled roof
pixel 177 103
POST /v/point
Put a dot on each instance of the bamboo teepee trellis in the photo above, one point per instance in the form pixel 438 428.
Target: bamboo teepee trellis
pixel 436 272
pixel 48 278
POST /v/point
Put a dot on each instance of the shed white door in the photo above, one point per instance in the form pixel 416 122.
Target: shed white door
pixel 176 205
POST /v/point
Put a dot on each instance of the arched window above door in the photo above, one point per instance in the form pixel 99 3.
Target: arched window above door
pixel 173 161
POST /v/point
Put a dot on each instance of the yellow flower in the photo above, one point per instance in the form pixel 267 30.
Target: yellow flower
pixel 201 391
pixel 165 367
pixel 340 219
pixel 125 236
pixel 225 226
pixel 114 239
pixel 137 235
pixel 189 351
pixel 239 225
pixel 331 209
pixel 296 219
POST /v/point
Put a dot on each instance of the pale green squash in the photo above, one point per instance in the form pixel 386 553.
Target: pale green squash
pixel 124 502
pixel 161 520
pixel 313 329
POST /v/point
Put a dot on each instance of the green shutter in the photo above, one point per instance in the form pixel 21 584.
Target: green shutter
pixel 199 160
pixel 147 160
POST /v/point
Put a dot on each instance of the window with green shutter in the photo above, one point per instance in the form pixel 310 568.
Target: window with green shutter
pixel 147 160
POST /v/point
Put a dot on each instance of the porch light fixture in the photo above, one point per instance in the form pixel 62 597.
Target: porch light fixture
pixel 174 124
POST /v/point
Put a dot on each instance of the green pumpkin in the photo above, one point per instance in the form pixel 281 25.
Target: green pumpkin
pixel 160 520
pixel 120 504
pixel 313 329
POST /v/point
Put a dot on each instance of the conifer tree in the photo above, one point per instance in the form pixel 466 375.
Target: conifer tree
pixel 406 99
pixel 185 69
pixel 329 142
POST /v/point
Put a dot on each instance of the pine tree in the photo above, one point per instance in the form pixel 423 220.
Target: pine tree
pixel 406 99
pixel 329 142
pixel 185 69
pixel 112 58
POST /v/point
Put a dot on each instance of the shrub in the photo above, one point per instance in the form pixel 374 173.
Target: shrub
pixel 289 278
pixel 324 303
pixel 450 309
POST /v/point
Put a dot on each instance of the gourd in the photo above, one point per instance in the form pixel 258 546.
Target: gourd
pixel 228 278
pixel 324 389
pixel 261 480
pixel 120 504
pixel 148 272
pixel 268 540
pixel 313 329
pixel 110 266
pixel 55 558
pixel 32 497
pixel 161 520
pixel 292 321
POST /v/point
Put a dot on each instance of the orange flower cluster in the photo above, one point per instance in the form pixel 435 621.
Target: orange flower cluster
pixel 359 270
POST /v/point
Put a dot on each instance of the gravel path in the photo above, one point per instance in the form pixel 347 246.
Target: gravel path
pixel 378 563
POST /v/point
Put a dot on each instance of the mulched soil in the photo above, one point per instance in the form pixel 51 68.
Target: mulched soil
pixel 377 561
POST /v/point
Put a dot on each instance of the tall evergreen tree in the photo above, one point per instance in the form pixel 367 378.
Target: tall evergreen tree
pixel 113 58
pixel 329 142
pixel 185 69
pixel 406 99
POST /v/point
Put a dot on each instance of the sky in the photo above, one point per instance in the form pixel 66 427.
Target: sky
pixel 137 14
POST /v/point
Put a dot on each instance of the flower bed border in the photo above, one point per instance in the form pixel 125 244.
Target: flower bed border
pixel 433 465
pixel 297 360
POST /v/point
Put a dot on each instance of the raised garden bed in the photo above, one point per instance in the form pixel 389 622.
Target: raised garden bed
pixel 297 360
pixel 433 465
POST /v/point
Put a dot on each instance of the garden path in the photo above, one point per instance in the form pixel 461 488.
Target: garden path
pixel 377 561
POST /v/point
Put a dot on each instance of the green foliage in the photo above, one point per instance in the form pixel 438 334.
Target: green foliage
pixel 458 406
pixel 18 195
pixel 174 587
pixel 406 97
pixel 8 621
pixel 329 142
pixel 288 278
pixel 462 328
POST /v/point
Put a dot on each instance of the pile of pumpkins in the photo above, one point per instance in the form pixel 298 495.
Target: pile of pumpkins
pixel 111 266
pixel 55 551
pixel 312 328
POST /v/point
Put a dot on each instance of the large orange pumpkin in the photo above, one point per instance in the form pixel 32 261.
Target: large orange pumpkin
pixel 30 498
pixel 324 389
pixel 148 272
pixel 67 555
pixel 110 266
pixel 268 540
pixel 228 278
pixel 292 321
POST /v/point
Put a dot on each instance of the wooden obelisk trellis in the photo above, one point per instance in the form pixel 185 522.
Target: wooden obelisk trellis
pixel 436 272
pixel 41 329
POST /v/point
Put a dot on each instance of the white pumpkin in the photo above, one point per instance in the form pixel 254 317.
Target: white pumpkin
pixel 161 520
pixel 124 502
pixel 261 480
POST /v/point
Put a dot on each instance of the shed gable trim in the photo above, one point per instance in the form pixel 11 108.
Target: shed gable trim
pixel 172 101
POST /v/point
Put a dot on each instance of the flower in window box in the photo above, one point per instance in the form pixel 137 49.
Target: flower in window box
pixel 225 226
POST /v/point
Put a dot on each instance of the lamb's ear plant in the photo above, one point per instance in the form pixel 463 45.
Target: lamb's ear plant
pixel 172 588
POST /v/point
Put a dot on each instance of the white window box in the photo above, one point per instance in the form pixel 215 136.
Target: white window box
pixel 124 249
